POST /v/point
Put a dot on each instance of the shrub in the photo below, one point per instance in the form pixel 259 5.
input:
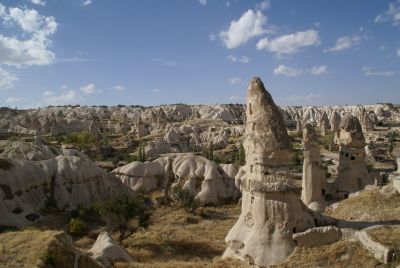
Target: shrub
pixel 184 199
pixel 118 212
pixel 141 154
pixel 240 155
pixel 76 226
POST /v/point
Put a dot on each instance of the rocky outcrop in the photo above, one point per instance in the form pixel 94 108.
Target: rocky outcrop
pixel 352 171
pixel 54 120
pixel 28 187
pixel 271 211
pixel 106 251
pixel 314 180
pixel 318 236
pixel 204 179
pixel 324 125
pixel 140 176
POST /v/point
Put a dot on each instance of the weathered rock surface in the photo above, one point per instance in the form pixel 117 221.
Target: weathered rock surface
pixel 314 180
pixel 106 250
pixel 271 211
pixel 64 182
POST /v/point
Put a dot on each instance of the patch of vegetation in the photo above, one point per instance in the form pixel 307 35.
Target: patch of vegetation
pixel 125 214
pixel 327 142
pixel 184 199
pixel 240 155
pixel 141 154
pixel 81 140
pixel 76 226
pixel 297 158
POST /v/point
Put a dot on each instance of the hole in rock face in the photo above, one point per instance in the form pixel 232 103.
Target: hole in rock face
pixel 323 192
pixel 352 158
pixel 294 230
pixel 346 154
pixel 346 195
pixel 250 110
pixel 316 222
pixel 252 200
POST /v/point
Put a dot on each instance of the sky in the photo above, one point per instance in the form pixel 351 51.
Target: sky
pixel 152 52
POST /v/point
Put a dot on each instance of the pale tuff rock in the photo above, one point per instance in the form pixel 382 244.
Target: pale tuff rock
pixel 367 123
pixel 314 180
pixel 265 135
pixel 299 127
pixel 65 182
pixel 140 128
pixel 324 125
pixel 271 210
pixel 319 236
pixel 204 179
pixel 35 150
pixel 208 182
pixel 140 176
pixel 106 250
pixel 352 171
pixel 335 121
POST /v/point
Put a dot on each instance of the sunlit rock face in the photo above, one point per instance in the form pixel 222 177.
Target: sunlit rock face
pixel 352 171
pixel 314 180
pixel 271 209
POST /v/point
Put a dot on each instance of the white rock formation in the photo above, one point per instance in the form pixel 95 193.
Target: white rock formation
pixel 147 177
pixel 106 251
pixel 352 171
pixel 314 180
pixel 64 182
pixel 271 211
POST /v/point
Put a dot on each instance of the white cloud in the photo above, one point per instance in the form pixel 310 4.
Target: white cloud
pixel 249 25
pixel 228 4
pixel 234 81
pixel 156 90
pixel 13 100
pixel 318 70
pixel 398 52
pixel 7 79
pixel 291 43
pixel 263 5
pixel 243 59
pixel 90 89
pixel 38 2
pixel 212 37
pixel 372 71
pixel 203 2
pixel 69 97
pixel 48 93
pixel 287 71
pixel 87 2
pixel 32 47
pixel 345 42
pixel 119 88
pixel 168 63
pixel 392 14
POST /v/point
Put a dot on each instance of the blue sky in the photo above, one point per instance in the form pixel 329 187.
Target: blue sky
pixel 149 52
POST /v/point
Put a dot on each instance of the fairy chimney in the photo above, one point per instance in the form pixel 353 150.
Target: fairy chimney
pixel 314 180
pixel 271 210
pixel 352 171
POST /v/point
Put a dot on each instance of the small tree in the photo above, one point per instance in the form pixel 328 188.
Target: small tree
pixel 184 199
pixel 118 213
pixel 141 153
pixel 240 155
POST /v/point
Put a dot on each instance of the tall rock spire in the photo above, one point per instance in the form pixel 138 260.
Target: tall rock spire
pixel 271 209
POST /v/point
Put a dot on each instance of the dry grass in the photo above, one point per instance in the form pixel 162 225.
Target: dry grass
pixel 386 235
pixel 345 253
pixel 178 239
pixel 35 248
pixel 369 206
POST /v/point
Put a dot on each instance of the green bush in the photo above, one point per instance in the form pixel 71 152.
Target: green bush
pixel 119 212
pixel 240 155
pixel 76 226
pixel 184 199
pixel 82 140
